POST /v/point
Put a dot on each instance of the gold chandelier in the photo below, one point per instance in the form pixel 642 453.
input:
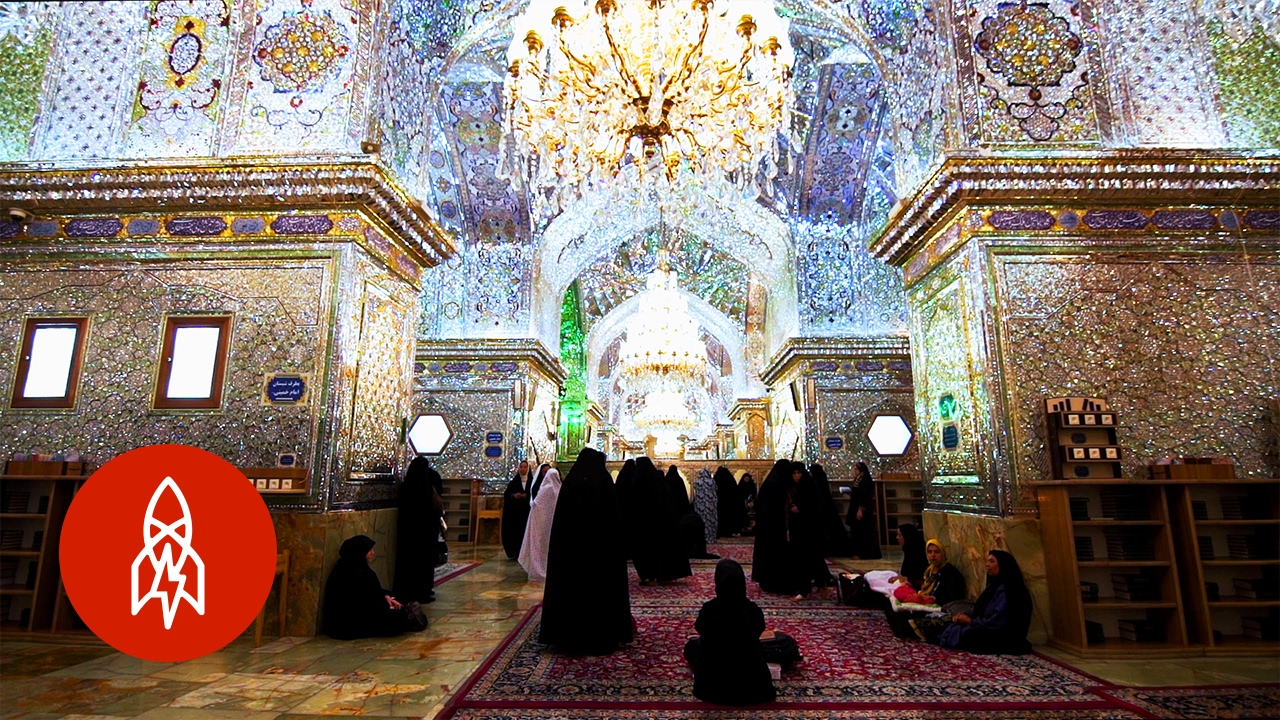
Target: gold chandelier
pixel 659 88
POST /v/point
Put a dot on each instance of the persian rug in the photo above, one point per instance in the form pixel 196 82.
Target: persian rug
pixel 732 551
pixel 852 663
pixel 701 587
pixel 1222 701
pixel 451 570
pixel 778 712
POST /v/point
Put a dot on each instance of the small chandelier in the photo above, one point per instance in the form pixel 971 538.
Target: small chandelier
pixel 662 351
pixel 661 87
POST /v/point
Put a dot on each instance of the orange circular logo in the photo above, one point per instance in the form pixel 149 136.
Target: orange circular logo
pixel 168 553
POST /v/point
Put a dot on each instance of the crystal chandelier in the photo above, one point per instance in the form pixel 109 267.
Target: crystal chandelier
pixel 678 90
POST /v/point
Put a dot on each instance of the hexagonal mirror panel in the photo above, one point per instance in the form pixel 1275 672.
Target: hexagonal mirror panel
pixel 429 434
pixel 889 434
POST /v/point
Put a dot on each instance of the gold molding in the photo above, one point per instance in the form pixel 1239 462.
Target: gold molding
pixel 241 186
pixel 1143 178
pixel 796 350
pixel 494 349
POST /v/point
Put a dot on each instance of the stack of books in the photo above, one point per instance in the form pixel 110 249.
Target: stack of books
pixel 1079 508
pixel 1121 504
pixel 1135 588
pixel 8 571
pixel 1089 591
pixel 37 539
pixel 1200 509
pixel 15 501
pixel 1129 544
pixel 1211 591
pixel 11 539
pixel 1142 630
pixel 1262 628
pixel 1084 548
pixel 1093 632
pixel 1206 547
pixel 1251 547
pixel 1257 588
pixel 43 506
pixel 1231 508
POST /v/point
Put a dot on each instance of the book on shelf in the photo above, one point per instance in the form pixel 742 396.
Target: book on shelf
pixel 1262 628
pixel 1084 548
pixel 43 505
pixel 1089 591
pixel 1129 544
pixel 32 569
pixel 1141 630
pixel 11 539
pixel 1251 547
pixel 37 539
pixel 1257 588
pixel 1093 632
pixel 1135 587
pixel 1206 547
pixel 1123 504
pixel 1199 509
pixel 1231 508
pixel 1211 591
pixel 8 571
pixel 1079 508
pixel 15 501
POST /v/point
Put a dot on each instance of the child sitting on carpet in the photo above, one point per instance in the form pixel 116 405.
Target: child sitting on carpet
pixel 730 654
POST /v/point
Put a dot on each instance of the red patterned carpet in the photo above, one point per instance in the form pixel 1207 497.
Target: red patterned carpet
pixel 1225 701
pixel 449 571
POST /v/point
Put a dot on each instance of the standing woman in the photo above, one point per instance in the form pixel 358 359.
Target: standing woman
pixel 705 501
pixel 418 532
pixel 622 489
pixel 656 549
pixel 537 534
pixel 835 537
pixel 586 606
pixel 864 534
pixel 747 490
pixel 515 510
pixel 731 509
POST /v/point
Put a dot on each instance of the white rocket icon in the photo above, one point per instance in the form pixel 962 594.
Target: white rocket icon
pixel 165 566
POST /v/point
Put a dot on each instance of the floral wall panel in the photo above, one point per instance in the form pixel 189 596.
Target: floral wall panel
pixel 842 289
pixel 184 65
pixel 1032 70
pixel 1182 346
pixel 26 36
pixel 383 374
pixel 1159 75
pixel 1247 62
pixel 301 80
pixel 89 92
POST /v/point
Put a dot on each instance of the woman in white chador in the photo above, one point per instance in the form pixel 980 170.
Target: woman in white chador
pixel 537 534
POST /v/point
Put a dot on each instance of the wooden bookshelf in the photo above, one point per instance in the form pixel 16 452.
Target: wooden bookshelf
pixel 899 499
pixel 460 498
pixel 33 506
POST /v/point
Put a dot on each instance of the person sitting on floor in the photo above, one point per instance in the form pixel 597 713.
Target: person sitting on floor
pixel 1001 616
pixel 356 606
pixel 942 584
pixel 730 656
pixel 914 559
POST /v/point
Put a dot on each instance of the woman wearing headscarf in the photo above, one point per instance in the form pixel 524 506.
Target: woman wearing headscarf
pixel 1001 616
pixel 942 584
pixel 729 666
pixel 622 490
pixel 678 491
pixel 537 533
pixel 864 533
pixel 537 483
pixel 656 550
pixel 747 491
pixel 914 560
pixel 811 528
pixel 731 510
pixel 835 537
pixel 355 605
pixel 418 532
pixel 785 554
pixel 586 606
pixel 515 510
pixel 704 503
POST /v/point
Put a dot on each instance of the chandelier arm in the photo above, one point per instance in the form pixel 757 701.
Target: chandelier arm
pixel 576 64
pixel 686 69
pixel 618 59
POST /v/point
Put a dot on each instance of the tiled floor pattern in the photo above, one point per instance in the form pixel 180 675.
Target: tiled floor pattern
pixel 409 676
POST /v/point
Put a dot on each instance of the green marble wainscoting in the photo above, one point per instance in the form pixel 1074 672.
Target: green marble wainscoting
pixel 968 539
pixel 312 540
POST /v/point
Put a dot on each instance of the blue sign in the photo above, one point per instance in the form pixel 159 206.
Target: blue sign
pixel 286 388
pixel 950 437
pixel 493 451
pixel 835 443
pixel 493 437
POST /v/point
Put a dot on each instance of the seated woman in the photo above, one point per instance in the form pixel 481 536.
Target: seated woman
pixel 356 606
pixel 914 559
pixel 1001 616
pixel 729 656
pixel 942 584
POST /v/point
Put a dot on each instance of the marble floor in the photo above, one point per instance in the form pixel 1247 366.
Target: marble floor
pixel 409 676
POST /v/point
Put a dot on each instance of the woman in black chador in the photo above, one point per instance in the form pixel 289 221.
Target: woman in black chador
pixel 586 606
pixel 731 509
pixel 727 657
pixel 622 491
pixel 515 510
pixel 864 536
pixel 689 525
pixel 788 545
pixel 355 605
pixel 656 550
pixel 418 532
pixel 835 537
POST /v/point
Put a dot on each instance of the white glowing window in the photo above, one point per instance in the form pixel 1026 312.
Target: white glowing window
pixel 889 434
pixel 49 364
pixel 51 351
pixel 429 434
pixel 192 364
pixel 195 353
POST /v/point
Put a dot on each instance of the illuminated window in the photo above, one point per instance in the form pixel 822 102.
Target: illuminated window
pixel 889 434
pixel 429 434
pixel 49 364
pixel 193 362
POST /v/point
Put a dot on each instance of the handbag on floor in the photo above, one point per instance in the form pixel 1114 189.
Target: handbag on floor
pixel 416 617
pixel 856 591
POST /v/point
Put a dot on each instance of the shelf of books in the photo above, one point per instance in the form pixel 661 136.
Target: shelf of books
pixel 35 493
pixel 1228 533
pixel 900 499
pixel 459 509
